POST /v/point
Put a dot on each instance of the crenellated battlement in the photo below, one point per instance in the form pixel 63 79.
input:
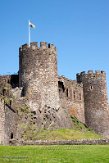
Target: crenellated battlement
pixel 35 45
pixel 90 74
pixel 47 101
pixel 95 99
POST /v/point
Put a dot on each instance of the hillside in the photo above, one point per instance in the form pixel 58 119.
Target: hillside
pixel 79 131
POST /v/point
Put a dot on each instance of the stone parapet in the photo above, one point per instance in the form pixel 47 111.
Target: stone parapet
pixel 35 45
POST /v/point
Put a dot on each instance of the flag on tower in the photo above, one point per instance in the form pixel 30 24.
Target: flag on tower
pixel 31 25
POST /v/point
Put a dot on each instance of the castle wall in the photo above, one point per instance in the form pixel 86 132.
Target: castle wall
pixel 2 122
pixel 8 117
pixel 39 79
pixel 8 123
pixel 52 99
pixel 95 98
pixel 11 120
pixel 4 80
pixel 71 97
pixel 12 80
pixel 38 74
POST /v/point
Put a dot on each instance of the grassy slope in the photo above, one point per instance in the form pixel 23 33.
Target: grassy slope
pixel 55 154
pixel 79 131
pixel 66 134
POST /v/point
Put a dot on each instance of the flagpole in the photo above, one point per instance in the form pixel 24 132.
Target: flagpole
pixel 29 34
pixel 30 25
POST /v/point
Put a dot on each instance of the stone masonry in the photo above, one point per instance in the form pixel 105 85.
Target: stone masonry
pixel 95 100
pixel 39 79
pixel 8 123
pixel 38 96
pixel 2 123
pixel 71 97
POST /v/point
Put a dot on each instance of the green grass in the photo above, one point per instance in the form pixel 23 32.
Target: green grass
pixel 79 131
pixel 55 154
pixel 65 134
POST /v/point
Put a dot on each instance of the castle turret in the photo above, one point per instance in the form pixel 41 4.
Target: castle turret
pixel 38 74
pixel 39 79
pixel 95 99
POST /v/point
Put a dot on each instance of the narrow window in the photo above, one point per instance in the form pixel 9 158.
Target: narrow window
pixel 91 87
pixel 23 92
pixel 74 95
pixel 80 96
pixel 67 93
pixel 4 92
pixel 11 136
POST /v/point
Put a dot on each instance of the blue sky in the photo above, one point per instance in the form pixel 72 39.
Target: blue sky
pixel 78 28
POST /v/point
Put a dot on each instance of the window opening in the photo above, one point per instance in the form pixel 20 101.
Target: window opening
pixel 11 136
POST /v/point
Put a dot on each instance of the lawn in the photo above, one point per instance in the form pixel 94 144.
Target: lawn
pixel 55 154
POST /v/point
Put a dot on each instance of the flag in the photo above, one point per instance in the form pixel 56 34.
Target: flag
pixel 32 25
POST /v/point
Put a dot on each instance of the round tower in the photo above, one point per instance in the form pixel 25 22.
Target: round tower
pixel 39 79
pixel 38 73
pixel 95 100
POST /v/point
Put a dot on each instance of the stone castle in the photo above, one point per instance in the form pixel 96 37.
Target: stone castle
pixel 38 97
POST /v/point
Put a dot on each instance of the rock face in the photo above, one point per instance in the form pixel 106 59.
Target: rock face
pixel 95 99
pixel 39 79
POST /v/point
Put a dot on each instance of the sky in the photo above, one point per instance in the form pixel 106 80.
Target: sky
pixel 78 28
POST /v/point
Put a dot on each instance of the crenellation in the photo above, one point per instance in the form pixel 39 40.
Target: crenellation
pixel 97 72
pixel 37 95
pixel 90 72
pixel 103 72
pixel 43 45
pixel 95 100
pixel 39 79
pixel 34 45
pixel 51 46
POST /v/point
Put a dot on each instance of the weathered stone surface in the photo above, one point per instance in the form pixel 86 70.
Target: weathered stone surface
pixel 38 77
pixel 95 99
pixel 66 142
pixel 37 97
pixel 11 120
pixel 71 97
pixel 2 122
pixel 8 123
